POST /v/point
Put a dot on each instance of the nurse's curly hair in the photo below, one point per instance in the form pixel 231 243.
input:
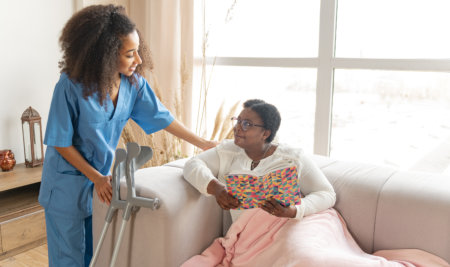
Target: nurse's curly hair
pixel 91 41
pixel 268 113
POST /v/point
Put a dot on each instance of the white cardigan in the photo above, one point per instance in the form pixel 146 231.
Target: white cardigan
pixel 228 158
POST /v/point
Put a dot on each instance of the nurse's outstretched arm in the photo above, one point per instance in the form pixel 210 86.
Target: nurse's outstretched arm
pixel 180 131
pixel 102 183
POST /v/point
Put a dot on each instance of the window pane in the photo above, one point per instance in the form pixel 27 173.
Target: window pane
pixel 258 28
pixel 392 117
pixel 291 90
pixel 393 29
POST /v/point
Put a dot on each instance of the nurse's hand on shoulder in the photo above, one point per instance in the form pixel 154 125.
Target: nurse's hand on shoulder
pixel 209 144
pixel 103 188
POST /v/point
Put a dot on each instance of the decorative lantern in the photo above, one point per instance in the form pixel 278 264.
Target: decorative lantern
pixel 32 138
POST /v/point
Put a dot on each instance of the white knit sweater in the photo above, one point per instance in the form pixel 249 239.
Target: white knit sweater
pixel 228 158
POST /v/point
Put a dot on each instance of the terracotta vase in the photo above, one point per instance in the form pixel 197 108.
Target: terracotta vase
pixel 7 161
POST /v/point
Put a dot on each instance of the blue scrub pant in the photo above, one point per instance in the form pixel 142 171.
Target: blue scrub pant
pixel 69 240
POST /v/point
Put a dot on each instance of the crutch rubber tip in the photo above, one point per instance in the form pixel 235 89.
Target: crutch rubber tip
pixel 156 204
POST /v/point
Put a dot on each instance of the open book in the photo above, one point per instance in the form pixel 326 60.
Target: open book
pixel 251 190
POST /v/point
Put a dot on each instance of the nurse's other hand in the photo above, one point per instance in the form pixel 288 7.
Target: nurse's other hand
pixel 103 188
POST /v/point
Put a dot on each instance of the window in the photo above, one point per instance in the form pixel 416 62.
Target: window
pixel 260 49
pixel 391 80
pixel 259 28
pixel 397 118
pixel 393 29
pixel 361 80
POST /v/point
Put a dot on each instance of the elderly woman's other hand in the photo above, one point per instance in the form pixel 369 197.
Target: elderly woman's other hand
pixel 276 209
pixel 225 200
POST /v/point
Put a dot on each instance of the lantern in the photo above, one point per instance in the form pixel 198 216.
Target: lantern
pixel 32 138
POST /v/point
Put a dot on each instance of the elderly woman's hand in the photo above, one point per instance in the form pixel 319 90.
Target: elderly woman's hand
pixel 276 209
pixel 225 200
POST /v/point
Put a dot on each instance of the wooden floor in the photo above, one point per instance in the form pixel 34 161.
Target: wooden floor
pixel 36 257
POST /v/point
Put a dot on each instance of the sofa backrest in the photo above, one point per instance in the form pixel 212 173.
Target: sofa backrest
pixel 385 208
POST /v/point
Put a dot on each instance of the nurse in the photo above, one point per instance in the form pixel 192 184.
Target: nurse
pixel 100 88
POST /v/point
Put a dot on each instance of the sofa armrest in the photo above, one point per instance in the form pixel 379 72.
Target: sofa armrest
pixel 414 212
pixel 184 225
pixel 386 208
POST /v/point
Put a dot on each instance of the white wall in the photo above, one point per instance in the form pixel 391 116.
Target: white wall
pixel 29 55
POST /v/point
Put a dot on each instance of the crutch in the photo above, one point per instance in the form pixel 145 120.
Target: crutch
pixel 116 203
pixel 139 157
pixel 136 157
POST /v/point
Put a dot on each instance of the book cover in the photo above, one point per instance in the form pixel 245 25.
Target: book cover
pixel 251 190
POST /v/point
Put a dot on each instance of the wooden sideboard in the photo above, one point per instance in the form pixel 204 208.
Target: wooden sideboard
pixel 22 220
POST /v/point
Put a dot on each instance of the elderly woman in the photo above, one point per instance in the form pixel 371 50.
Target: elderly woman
pixel 304 232
pixel 253 152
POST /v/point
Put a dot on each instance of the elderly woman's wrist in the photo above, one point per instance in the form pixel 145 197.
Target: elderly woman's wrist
pixel 292 211
pixel 214 187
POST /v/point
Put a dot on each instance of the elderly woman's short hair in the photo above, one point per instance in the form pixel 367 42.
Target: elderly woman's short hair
pixel 268 113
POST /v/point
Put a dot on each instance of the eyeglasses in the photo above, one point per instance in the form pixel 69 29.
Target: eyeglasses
pixel 245 124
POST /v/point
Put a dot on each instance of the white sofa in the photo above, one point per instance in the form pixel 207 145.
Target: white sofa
pixel 384 209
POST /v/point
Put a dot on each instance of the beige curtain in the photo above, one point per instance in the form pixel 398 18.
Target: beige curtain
pixel 167 27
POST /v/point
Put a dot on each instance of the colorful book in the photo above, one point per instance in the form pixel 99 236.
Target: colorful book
pixel 251 190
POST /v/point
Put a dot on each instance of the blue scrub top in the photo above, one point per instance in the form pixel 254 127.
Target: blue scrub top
pixel 94 130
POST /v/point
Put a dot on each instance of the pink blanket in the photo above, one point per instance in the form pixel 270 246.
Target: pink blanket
pixel 320 240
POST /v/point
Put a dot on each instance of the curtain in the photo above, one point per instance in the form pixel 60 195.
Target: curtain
pixel 167 27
